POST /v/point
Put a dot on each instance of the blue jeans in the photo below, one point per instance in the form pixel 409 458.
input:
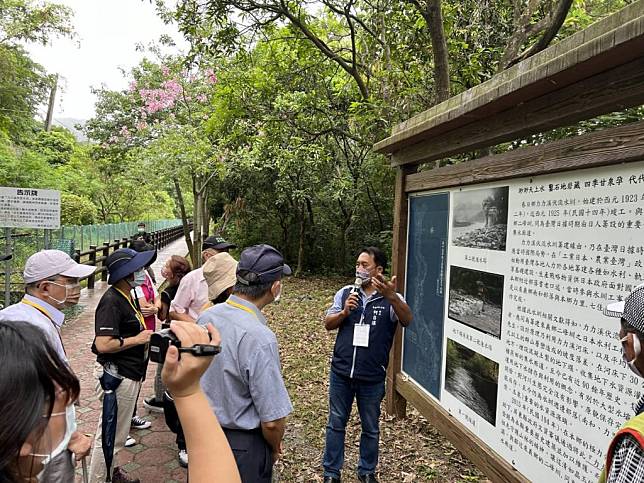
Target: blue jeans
pixel 368 397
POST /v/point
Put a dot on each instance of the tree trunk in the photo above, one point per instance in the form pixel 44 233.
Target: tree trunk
pixel 206 216
pixel 439 49
pixel 432 12
pixel 300 250
pixel 198 223
pixel 184 217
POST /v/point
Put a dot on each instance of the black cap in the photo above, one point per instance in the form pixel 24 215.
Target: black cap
pixel 261 264
pixel 217 242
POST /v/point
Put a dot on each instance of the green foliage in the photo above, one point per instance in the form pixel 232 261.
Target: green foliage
pixel 24 83
pixel 22 167
pixel 267 126
pixel 56 146
pixel 23 86
pixel 76 210
pixel 33 21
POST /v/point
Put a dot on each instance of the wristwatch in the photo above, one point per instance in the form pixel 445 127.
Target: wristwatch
pixel 121 341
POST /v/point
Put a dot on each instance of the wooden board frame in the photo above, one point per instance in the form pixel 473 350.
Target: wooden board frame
pixel 612 146
pixel 595 71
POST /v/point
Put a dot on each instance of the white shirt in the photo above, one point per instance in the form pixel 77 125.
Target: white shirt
pixel 21 312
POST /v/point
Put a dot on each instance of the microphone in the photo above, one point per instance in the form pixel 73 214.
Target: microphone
pixel 356 286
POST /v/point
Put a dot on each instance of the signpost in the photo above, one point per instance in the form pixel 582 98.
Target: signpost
pixel 26 208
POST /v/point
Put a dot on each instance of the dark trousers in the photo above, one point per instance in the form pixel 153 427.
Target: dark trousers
pixel 252 453
pixel 172 420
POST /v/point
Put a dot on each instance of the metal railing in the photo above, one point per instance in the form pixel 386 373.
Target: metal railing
pixel 97 254
pixel 85 236
pixel 94 254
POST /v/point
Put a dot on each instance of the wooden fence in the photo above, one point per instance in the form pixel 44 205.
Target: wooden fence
pixel 97 254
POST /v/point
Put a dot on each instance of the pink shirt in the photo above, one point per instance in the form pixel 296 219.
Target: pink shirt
pixel 192 294
pixel 150 292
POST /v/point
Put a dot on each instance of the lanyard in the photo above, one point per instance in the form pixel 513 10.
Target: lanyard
pixel 138 314
pixel 241 307
pixel 43 311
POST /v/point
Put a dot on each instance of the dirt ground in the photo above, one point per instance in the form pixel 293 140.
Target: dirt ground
pixel 411 450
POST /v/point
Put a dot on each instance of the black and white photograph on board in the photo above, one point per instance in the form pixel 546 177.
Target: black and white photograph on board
pixel 481 218
pixel 476 299
pixel 473 379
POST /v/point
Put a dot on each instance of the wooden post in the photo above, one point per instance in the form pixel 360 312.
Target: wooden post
pixel 396 405
pixel 92 259
pixel 106 252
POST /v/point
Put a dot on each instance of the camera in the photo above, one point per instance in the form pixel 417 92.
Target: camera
pixel 159 343
pixel 162 340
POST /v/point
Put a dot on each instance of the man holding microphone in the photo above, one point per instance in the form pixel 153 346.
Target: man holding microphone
pixel 366 315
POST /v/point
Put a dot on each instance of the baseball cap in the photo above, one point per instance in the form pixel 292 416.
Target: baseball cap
pixel 220 274
pixel 261 264
pixel 630 309
pixel 48 263
pixel 125 261
pixel 217 242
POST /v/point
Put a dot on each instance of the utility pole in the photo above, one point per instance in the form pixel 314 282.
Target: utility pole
pixel 52 100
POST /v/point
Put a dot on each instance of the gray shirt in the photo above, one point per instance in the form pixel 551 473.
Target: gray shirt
pixel 244 383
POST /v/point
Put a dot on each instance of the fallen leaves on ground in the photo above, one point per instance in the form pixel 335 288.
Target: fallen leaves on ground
pixel 411 450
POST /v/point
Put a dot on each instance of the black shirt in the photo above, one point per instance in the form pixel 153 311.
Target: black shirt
pixel 115 317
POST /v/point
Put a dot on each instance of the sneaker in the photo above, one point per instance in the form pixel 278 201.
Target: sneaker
pixel 120 476
pixel 140 423
pixel 183 458
pixel 153 404
pixel 130 441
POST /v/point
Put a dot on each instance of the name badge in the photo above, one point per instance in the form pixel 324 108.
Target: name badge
pixel 361 335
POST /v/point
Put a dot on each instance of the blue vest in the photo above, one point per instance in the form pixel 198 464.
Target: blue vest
pixel 365 363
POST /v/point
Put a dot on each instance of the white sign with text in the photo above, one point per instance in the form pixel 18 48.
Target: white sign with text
pixel 29 208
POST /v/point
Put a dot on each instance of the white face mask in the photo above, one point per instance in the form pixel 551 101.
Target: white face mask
pixel 67 289
pixel 70 428
pixel 279 295
pixel 637 347
pixel 139 279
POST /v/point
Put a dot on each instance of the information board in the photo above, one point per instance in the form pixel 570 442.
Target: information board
pixel 529 362
pixel 29 208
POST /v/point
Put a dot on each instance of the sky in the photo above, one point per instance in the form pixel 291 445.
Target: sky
pixel 108 32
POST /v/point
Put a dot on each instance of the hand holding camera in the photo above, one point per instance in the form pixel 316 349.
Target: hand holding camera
pixel 198 345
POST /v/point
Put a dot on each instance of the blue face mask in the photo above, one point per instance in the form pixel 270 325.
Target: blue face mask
pixel 139 278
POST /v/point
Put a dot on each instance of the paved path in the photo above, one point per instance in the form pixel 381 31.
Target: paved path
pixel 154 458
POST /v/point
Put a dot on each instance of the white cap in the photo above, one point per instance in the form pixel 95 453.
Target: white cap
pixel 47 263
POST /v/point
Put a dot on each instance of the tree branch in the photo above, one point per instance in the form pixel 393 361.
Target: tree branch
pixel 556 21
